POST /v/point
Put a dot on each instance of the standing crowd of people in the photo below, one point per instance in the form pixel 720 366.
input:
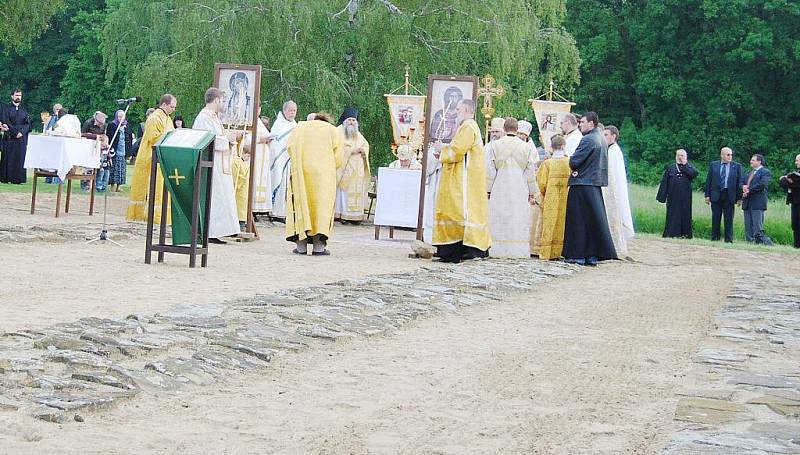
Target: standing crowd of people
pixel 115 140
pixel 506 199
pixel 507 194
pixel 727 186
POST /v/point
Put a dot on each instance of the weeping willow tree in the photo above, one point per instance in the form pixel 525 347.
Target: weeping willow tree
pixel 22 21
pixel 329 54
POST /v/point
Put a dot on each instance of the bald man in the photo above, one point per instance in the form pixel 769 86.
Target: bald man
pixel 723 190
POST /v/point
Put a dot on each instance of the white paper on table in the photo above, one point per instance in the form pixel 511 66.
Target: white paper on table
pixel 398 197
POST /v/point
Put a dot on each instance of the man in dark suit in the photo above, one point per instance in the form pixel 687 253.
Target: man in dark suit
pixel 754 200
pixel 791 183
pixel 723 190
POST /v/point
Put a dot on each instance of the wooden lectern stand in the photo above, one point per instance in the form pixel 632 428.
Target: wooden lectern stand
pixel 205 163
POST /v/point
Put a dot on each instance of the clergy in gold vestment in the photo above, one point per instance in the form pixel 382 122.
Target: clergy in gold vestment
pixel 315 149
pixel 240 168
pixel 461 220
pixel 155 126
pixel 553 179
pixel 354 176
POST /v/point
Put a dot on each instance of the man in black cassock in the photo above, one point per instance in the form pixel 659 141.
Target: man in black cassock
pixel 791 183
pixel 16 126
pixel 587 238
pixel 676 191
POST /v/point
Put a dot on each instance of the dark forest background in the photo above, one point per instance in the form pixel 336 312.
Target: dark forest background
pixel 693 74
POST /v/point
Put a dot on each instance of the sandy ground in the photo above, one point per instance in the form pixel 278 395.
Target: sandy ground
pixel 587 364
pixel 44 283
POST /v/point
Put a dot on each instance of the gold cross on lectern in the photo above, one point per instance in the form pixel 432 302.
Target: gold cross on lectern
pixel 177 177
pixel 488 91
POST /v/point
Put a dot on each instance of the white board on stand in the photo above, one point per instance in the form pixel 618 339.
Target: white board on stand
pixel 398 197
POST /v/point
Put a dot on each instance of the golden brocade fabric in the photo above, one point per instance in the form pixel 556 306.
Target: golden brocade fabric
pixel 156 126
pixel 462 208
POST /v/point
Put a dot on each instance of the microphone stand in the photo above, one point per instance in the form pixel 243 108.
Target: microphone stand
pixel 104 232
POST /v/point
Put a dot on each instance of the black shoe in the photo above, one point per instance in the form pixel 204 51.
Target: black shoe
pixel 217 241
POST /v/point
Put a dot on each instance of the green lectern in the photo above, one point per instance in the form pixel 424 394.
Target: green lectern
pixel 186 158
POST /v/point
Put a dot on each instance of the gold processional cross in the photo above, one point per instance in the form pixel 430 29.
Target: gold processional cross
pixel 177 177
pixel 488 91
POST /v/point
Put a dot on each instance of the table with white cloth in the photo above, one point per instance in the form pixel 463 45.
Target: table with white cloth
pixel 57 156
pixel 61 153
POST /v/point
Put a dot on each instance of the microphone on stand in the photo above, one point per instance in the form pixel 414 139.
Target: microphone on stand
pixel 135 99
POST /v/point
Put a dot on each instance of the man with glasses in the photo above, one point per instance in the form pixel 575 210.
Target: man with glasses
pixel 158 123
pixel 723 190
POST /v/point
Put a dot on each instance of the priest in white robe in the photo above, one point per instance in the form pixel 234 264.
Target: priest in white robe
pixel 433 172
pixel 224 220
pixel 511 184
pixel 262 180
pixel 279 162
pixel 615 195
pixel 524 133
pixel 496 131
pixel 572 134
pixel 405 159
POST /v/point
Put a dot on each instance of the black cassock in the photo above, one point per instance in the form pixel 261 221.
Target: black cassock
pixel 13 149
pixel 676 191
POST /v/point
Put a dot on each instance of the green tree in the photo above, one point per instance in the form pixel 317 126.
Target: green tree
pixel 39 69
pixel 693 74
pixel 22 21
pixel 85 86
pixel 327 57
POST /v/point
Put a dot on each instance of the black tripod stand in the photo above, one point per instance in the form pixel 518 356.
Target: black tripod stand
pixel 104 231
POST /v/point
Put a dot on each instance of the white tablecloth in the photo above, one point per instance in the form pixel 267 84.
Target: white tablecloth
pixel 398 197
pixel 61 153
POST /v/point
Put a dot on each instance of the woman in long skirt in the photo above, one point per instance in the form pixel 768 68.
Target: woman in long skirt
pixel 122 145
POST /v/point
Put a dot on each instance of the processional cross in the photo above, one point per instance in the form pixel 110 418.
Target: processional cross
pixel 177 177
pixel 489 91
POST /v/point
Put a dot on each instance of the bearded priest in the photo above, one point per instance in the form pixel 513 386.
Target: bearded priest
pixel 354 177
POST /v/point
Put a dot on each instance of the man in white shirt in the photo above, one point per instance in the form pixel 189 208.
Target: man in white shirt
pixel 572 134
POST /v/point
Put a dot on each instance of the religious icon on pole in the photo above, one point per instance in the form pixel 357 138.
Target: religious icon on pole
pixel 241 85
pixel 238 83
pixel 444 94
pixel 549 112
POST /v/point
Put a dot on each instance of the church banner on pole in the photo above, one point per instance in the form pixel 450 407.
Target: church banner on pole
pixel 406 111
pixel 548 118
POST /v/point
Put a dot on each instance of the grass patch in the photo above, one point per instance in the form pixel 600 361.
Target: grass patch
pixel 43 187
pixel 649 216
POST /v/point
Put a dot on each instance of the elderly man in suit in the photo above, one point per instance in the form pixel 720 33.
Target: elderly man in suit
pixel 723 190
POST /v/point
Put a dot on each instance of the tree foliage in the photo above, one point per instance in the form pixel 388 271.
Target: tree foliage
pixel 40 69
pixel 22 21
pixel 694 74
pixel 327 58
pixel 697 74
